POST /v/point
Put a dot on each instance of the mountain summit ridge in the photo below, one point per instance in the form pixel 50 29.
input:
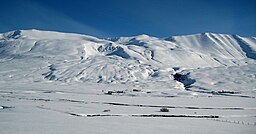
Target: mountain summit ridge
pixel 69 57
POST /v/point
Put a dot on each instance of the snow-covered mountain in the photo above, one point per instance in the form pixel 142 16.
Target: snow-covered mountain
pixel 71 83
pixel 69 57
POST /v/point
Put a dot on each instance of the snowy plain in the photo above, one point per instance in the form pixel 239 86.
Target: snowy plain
pixel 53 82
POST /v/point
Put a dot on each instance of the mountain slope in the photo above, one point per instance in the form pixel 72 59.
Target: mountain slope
pixel 37 55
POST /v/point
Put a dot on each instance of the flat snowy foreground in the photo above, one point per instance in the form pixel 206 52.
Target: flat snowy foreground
pixel 52 107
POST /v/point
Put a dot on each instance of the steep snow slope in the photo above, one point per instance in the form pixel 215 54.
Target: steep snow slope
pixel 74 57
pixel 200 50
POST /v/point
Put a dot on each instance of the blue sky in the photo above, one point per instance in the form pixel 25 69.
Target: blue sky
pixel 112 18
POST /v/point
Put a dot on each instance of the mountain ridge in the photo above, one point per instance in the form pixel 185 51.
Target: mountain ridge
pixel 74 57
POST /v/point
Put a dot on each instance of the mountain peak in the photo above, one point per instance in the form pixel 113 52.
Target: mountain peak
pixel 142 36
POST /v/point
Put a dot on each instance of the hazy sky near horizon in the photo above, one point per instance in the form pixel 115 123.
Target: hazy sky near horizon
pixel 111 18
